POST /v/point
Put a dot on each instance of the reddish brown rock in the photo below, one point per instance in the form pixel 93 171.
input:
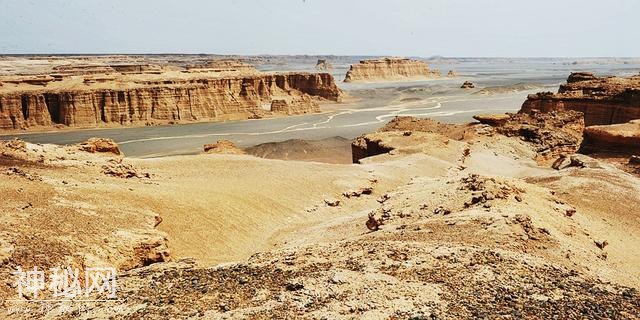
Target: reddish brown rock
pixel 101 145
pixel 493 119
pixel 603 101
pixel 390 69
pixel 617 138
pixel 169 101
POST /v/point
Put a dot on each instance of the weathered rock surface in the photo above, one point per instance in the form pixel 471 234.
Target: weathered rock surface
pixel 467 85
pixel 390 69
pixel 323 65
pixel 552 133
pixel 223 65
pixel 223 147
pixel 603 101
pixel 616 138
pixel 493 119
pixel 369 145
pixel 166 100
pixel 101 145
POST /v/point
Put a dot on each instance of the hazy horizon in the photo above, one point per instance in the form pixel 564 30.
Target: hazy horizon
pixel 448 28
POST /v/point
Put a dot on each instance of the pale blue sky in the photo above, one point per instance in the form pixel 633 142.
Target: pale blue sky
pixel 531 28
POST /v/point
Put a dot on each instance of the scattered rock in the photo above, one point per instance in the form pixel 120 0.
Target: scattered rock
pixel 332 202
pixel 294 286
pixel 570 212
pixel 601 243
pixel 372 223
pixel 580 160
pixel 358 193
pixel 562 162
pixel 441 210
pixel 101 145
pixel 122 170
pixel 468 85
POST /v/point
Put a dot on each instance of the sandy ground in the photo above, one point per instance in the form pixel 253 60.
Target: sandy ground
pixel 471 227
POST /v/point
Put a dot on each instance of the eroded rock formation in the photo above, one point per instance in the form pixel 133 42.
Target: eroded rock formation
pixel 164 100
pixel 222 147
pixel 603 101
pixel 390 69
pixel 323 65
pixel 617 138
pixel 219 65
pixel 551 134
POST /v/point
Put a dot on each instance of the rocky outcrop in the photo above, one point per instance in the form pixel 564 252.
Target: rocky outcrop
pixel 223 147
pixel 224 65
pixel 166 101
pixel 390 69
pixel 603 101
pixel 551 134
pixel 493 120
pixel 323 65
pixel 618 138
pixel 369 145
pixel 101 145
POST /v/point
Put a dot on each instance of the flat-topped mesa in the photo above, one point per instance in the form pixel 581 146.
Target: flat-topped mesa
pixel 603 101
pixel 223 65
pixel 146 101
pixel 390 69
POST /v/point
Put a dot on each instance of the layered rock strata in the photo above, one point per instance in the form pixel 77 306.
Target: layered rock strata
pixel 219 65
pixel 606 100
pixel 390 69
pixel 162 100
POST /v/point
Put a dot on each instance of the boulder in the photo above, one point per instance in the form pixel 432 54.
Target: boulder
pixel 562 163
pixel 468 85
pixel 101 145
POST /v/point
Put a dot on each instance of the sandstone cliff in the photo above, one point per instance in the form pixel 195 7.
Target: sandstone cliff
pixel 603 101
pixel 192 97
pixel 390 69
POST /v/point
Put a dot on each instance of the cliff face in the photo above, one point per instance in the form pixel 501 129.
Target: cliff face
pixel 174 100
pixel 389 69
pixel 602 100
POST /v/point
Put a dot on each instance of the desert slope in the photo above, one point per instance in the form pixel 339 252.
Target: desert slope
pixel 470 223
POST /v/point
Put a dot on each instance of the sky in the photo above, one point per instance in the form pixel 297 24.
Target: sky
pixel 452 28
